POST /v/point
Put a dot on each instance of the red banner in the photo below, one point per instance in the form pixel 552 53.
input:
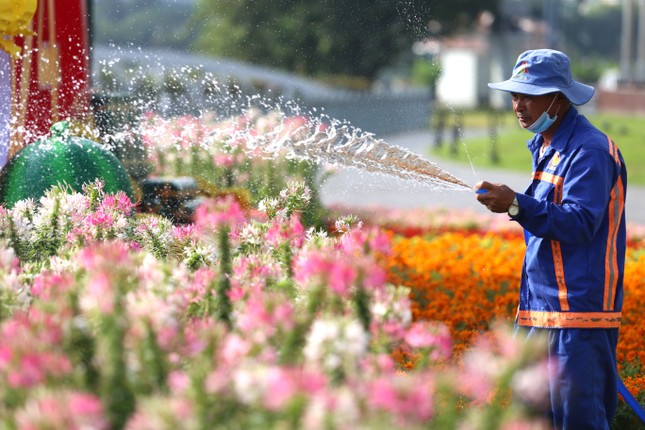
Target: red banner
pixel 51 80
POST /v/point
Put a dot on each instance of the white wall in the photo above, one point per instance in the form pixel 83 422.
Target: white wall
pixel 457 85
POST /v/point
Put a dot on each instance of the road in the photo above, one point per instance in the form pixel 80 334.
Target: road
pixel 352 187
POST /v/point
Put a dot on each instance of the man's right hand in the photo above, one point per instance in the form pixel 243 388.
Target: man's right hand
pixel 497 198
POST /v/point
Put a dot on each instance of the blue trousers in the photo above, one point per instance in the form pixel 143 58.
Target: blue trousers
pixel 583 384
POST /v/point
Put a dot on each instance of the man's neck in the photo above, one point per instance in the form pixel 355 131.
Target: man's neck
pixel 548 134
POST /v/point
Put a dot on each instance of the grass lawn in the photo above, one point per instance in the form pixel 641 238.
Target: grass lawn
pixel 508 150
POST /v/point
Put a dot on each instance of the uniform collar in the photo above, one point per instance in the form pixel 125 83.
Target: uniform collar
pixel 562 135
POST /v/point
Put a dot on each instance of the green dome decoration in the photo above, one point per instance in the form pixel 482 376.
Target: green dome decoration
pixel 61 159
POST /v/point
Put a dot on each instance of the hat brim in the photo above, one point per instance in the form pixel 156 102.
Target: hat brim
pixel 578 93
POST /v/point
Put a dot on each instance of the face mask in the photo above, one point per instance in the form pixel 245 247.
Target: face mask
pixel 544 121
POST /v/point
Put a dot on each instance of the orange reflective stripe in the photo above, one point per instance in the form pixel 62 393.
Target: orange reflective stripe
pixel 548 177
pixel 611 259
pixel 558 265
pixel 615 212
pixel 613 150
pixel 558 181
pixel 569 319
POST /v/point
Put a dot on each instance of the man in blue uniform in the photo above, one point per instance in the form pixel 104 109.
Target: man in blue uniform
pixel 574 225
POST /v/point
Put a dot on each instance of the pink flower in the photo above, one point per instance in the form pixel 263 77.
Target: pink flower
pixel 408 398
pixel 48 286
pixel 100 290
pixel 179 382
pixel 105 255
pixel 290 230
pixel 30 372
pixel 255 317
pixel 342 276
pixel 313 381
pixel 283 313
pixel 374 276
pixel 362 241
pixel 124 204
pixel 214 213
pixel 251 274
pixel 309 265
pixel 430 335
pixel 6 356
pixel 198 288
pixel 85 404
pixel 264 315
pixel 223 160
pixel 380 242
pixel 234 349
pixel 282 386
pixel 185 233
pixel 31 364
pixel 331 269
pixel 99 219
pixel 163 413
pixel 62 410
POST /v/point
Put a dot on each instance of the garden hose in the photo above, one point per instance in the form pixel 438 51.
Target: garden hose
pixel 631 401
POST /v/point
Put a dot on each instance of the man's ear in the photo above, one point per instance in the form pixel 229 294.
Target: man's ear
pixel 561 99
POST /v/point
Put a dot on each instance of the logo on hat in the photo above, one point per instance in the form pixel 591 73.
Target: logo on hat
pixel 522 71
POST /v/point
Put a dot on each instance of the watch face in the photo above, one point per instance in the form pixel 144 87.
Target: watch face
pixel 513 210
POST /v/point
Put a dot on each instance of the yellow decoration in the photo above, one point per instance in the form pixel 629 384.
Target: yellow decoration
pixel 15 17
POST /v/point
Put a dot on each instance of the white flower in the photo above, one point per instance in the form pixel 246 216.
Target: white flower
pixel 206 254
pixel 335 409
pixel 344 224
pixel 532 384
pixel 318 335
pixel 392 304
pixel 61 265
pixel 252 234
pixel 7 258
pixel 379 309
pixel 315 239
pixel 21 215
pixel 336 343
pixel 356 339
pixel 269 205
pixel 246 384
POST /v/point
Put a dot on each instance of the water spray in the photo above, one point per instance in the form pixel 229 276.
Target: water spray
pixel 364 151
pixel 347 147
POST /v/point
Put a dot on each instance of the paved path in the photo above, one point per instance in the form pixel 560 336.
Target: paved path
pixel 354 188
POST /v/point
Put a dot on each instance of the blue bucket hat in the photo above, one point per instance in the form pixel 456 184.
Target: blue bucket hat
pixel 544 71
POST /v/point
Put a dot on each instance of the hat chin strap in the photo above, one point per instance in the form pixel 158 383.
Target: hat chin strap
pixel 553 101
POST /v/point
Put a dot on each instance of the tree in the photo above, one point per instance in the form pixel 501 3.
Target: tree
pixel 325 37
pixel 141 22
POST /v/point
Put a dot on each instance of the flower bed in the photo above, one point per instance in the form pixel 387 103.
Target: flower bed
pixel 244 319
pixel 464 270
pixel 250 318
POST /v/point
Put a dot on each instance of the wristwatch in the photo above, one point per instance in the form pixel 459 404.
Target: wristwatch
pixel 514 208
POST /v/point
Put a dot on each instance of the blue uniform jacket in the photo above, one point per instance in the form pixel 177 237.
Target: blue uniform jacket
pixel 574 224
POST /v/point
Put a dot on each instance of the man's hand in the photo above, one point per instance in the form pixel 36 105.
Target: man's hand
pixel 497 197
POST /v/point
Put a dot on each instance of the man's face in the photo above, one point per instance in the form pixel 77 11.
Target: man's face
pixel 528 108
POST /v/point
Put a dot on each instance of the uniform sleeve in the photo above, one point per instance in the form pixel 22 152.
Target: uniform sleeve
pixel 585 195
